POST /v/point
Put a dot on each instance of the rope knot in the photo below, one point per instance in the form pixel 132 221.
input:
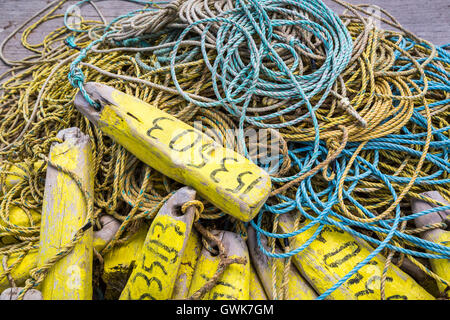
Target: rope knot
pixel 345 102
pixel 199 207
pixel 76 77
pixel 70 42
pixel 36 149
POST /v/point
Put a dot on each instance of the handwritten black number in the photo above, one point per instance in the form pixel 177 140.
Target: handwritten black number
pixel 221 169
pixel 166 248
pixel 165 227
pixel 180 135
pixel 369 282
pixel 155 263
pixel 156 126
pixel 397 297
pixel 339 262
pixel 327 229
pixel 202 154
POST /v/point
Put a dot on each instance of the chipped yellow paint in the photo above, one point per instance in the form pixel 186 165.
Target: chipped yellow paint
pixel 187 266
pixel 17 174
pixel 157 268
pixel 118 262
pixel 123 255
pixel 205 269
pixel 21 272
pixel 19 217
pixel 99 243
pixel 63 214
pixel 440 266
pixel 334 253
pixel 234 284
pixel 228 180
pixel 256 288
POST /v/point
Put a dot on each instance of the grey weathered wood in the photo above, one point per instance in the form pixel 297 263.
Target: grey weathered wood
pixel 13 294
pixel 102 237
pixel 420 206
pixel 428 19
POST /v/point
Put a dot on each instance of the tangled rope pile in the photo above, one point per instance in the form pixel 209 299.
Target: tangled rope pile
pixel 356 110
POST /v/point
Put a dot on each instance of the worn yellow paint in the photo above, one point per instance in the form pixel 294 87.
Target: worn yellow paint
pixel 17 174
pixel 226 179
pixel 99 243
pixel 157 268
pixel 187 266
pixel 118 262
pixel 256 288
pixel 205 269
pixel 19 217
pixel 334 253
pixel 121 257
pixel 234 284
pixel 63 214
pixel 440 266
pixel 21 272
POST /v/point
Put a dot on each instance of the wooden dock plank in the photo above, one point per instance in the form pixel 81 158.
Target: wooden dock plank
pixel 427 19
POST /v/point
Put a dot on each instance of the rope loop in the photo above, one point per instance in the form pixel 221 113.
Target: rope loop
pixel 199 207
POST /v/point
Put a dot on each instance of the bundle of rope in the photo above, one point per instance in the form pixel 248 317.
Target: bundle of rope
pixel 356 110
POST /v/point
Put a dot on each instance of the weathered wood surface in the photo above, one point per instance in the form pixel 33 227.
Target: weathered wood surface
pixel 428 19
pixel 64 212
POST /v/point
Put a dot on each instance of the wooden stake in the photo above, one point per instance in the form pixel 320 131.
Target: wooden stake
pixel 64 212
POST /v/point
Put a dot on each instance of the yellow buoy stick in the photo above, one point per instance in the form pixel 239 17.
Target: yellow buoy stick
pixel 15 174
pixel 187 266
pixel 336 252
pixel 18 217
pixel 155 273
pixel 234 283
pixel 297 287
pixel 21 272
pixel 256 288
pixel 64 212
pixel 119 262
pixel 228 180
pixel 439 266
